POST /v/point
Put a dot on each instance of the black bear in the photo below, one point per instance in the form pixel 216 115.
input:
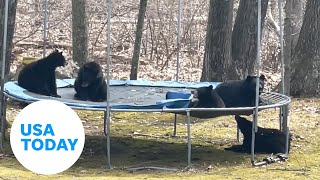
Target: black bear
pixel 240 93
pixel 39 76
pixel 90 83
pixel 206 97
pixel 266 140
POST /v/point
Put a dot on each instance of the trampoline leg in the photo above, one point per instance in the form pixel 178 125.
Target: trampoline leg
pixel 189 138
pixel 238 134
pixel 285 125
pixel 107 134
pixel 3 122
pixel 175 125
pixel 281 118
pixel 254 124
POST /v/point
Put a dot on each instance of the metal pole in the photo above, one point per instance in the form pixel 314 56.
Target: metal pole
pixel 189 138
pixel 286 128
pixel 45 27
pixel 108 81
pixel 238 134
pixel 4 50
pixel 281 45
pixel 255 114
pixel 178 38
pixel 284 120
pixel 175 125
pixel 282 90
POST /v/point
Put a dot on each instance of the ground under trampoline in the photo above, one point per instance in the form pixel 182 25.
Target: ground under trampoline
pixel 148 96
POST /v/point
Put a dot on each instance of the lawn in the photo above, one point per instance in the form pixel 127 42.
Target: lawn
pixel 145 139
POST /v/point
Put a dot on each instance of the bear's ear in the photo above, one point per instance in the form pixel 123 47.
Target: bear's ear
pixel 61 52
pixel 210 87
pixel 262 77
pixel 192 92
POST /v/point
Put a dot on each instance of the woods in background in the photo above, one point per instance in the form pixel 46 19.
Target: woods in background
pixel 218 39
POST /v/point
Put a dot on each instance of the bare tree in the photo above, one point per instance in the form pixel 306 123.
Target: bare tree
pixel 12 7
pixel 79 32
pixel 10 29
pixel 305 80
pixel 244 37
pixel 288 43
pixel 217 55
pixel 137 43
pixel 296 19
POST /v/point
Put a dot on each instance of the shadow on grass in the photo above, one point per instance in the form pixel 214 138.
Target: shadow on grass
pixel 128 152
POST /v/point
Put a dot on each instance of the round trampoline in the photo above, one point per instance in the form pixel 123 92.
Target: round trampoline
pixel 148 96
pixel 142 95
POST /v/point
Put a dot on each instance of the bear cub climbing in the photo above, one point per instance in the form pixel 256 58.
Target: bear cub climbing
pixel 206 97
pixel 90 85
pixel 234 93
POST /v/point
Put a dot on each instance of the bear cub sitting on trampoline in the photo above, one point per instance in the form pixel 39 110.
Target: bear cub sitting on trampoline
pixel 266 140
pixel 90 83
pixel 240 93
pixel 206 97
pixel 39 76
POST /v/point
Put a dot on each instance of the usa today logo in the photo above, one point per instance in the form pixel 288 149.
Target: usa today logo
pixel 47 137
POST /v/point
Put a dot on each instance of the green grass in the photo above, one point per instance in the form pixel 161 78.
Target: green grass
pixel 158 148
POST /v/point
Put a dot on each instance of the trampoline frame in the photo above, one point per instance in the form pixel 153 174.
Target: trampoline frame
pixel 284 107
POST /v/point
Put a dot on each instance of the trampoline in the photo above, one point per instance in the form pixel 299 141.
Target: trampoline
pixel 141 95
pixel 148 96
pixel 145 96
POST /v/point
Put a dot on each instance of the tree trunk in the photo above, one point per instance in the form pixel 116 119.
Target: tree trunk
pixel 244 37
pixel 287 46
pixel 305 80
pixel 12 6
pixel 296 19
pixel 79 32
pixel 217 54
pixel 137 43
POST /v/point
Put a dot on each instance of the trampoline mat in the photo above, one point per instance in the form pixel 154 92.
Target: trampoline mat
pixel 124 94
pixel 120 95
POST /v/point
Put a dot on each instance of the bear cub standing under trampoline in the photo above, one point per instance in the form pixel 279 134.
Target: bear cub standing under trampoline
pixel 206 97
pixel 90 83
pixel 39 76
pixel 266 140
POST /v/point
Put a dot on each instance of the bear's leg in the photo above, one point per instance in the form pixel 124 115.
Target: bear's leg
pixel 52 85
pixel 100 94
pixel 82 95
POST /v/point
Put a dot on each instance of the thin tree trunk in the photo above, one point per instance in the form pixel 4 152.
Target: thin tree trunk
pixel 305 80
pixel 244 37
pixel 296 19
pixel 218 48
pixel 79 32
pixel 287 46
pixel 12 6
pixel 137 43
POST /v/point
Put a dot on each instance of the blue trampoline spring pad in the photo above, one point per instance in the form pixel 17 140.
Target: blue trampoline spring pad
pixel 124 94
